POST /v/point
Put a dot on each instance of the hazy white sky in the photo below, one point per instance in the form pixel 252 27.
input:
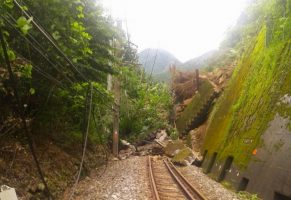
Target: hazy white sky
pixel 186 28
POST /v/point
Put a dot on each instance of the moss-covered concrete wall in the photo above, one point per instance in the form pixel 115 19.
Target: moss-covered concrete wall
pixel 251 101
pixel 258 93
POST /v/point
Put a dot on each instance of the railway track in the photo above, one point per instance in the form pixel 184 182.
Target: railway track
pixel 168 183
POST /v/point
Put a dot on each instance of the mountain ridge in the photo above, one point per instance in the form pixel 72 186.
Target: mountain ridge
pixel 156 60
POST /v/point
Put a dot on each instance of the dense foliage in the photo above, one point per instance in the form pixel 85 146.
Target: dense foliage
pixel 53 84
pixel 144 104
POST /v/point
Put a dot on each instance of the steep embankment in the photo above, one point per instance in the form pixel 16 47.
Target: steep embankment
pixel 250 125
pixel 252 100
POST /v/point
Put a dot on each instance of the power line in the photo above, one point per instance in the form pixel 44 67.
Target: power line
pixel 146 60
pixel 40 71
pixel 38 50
pixel 50 40
pixel 21 113
pixel 85 140
pixel 38 44
pixel 154 63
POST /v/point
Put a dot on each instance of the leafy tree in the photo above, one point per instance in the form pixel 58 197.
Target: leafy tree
pixel 54 89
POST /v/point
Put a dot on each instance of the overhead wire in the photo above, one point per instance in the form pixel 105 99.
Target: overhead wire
pixel 37 43
pixel 49 38
pixel 20 112
pixel 41 71
pixel 38 50
pixel 85 140
pixel 46 58
pixel 154 63
pixel 100 139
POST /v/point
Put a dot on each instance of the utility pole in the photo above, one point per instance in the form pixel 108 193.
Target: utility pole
pixel 116 92
pixel 113 85
pixel 115 136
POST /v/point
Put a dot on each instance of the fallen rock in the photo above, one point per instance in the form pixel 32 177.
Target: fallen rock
pixel 40 187
pixel 143 153
pixel 127 150
pixel 157 150
pixel 115 159
pixel 122 157
pixel 161 135
pixel 174 147
pixel 124 142
pixel 127 145
pixel 185 157
pixel 7 193
pixel 123 154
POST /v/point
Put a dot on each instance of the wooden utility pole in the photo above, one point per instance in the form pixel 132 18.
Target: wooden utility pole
pixel 115 136
pixel 116 92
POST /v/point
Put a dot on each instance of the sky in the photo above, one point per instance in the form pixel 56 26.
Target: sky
pixel 186 28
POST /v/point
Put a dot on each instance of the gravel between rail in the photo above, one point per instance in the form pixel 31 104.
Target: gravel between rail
pixel 128 180
pixel 123 180
pixel 210 188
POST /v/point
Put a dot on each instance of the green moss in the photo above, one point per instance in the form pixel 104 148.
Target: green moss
pixel 244 111
pixel 197 103
pixel 173 146
pixel 227 185
pixel 189 140
pixel 182 155
pixel 243 195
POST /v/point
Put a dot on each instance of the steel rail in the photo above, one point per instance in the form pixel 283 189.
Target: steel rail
pixel 152 180
pixel 187 188
pixel 180 183
pixel 196 193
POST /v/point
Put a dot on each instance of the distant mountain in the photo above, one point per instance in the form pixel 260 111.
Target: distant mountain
pixel 207 62
pixel 199 62
pixel 210 60
pixel 157 60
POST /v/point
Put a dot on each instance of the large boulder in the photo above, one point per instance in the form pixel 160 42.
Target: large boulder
pixel 161 136
pixel 174 147
pixel 126 145
pixel 127 150
pixel 184 157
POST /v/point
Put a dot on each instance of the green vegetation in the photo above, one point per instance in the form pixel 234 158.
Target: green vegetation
pixel 174 134
pixel 247 196
pixel 144 105
pixel 260 80
pixel 54 90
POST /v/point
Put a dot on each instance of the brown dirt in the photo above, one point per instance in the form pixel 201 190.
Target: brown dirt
pixel 17 168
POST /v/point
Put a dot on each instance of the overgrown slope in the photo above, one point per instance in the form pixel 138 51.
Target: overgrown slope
pixel 262 78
